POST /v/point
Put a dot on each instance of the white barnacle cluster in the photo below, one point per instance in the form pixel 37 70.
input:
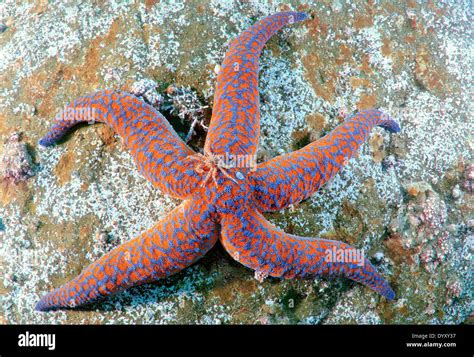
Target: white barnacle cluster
pixel 147 89
pixel 184 102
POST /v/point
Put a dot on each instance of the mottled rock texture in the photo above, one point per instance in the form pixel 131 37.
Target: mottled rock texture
pixel 406 199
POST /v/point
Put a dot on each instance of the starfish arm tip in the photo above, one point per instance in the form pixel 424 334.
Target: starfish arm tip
pixel 389 123
pixel 41 306
pixel 388 292
pixel 46 142
pixel 46 304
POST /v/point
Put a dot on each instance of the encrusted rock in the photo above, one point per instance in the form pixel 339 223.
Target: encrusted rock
pixel 15 162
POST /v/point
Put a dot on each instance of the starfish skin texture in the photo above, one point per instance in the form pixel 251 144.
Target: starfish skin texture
pixel 215 195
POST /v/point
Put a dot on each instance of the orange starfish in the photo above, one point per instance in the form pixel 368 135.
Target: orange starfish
pixel 235 196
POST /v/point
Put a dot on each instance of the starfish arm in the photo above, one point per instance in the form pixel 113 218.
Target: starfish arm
pixel 174 243
pixel 290 178
pixel 156 148
pixel 235 123
pixel 254 242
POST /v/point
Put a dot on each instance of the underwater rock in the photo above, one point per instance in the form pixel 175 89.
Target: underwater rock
pixel 15 162
pixel 468 184
pixel 329 66
pixel 426 231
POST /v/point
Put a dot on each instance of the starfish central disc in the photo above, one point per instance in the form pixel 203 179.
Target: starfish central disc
pixel 210 164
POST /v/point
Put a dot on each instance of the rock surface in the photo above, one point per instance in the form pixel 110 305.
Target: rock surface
pixel 406 199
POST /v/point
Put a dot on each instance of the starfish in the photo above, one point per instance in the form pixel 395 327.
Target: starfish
pixel 219 188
